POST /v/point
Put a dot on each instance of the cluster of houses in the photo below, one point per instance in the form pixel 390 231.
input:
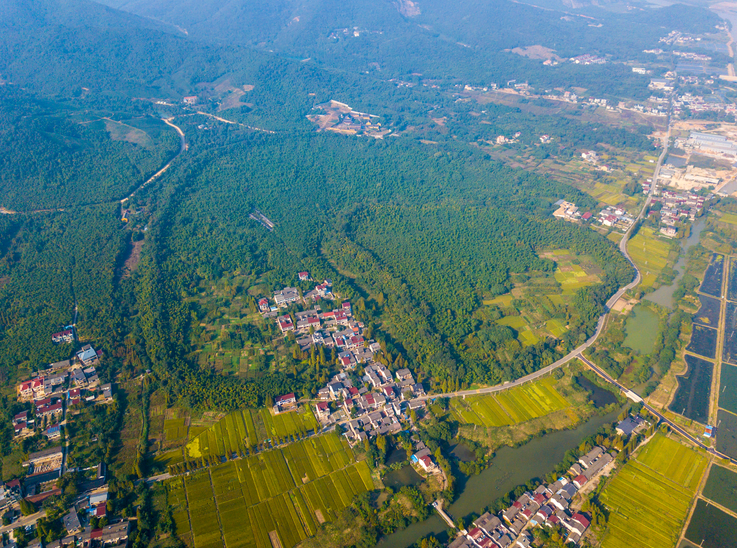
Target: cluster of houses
pixel 569 212
pixel 91 504
pixel 366 412
pixel 74 381
pixel 699 103
pixel 677 206
pixel 615 217
pixel 547 506
pixel 65 336
pixel 587 59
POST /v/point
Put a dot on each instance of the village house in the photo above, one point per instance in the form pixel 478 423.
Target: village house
pixel 286 402
pixel 88 355
pixel 66 336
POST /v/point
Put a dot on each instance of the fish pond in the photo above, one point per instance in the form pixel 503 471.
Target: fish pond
pixel 728 388
pixel 711 528
pixel 641 327
pixel 463 453
pixel 712 284
pixel 703 341
pixel 694 388
pixel 397 455
pixel 721 487
pixel 708 314
pixel 729 350
pixel 727 433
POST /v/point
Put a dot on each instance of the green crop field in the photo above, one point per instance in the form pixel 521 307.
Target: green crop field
pixel 520 404
pixel 177 502
pixel 174 429
pixel 285 493
pixel 650 254
pixel 729 218
pixel 556 327
pixel 721 487
pixel 650 496
pixel 242 429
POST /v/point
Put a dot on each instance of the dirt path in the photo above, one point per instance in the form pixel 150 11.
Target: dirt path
pixel 182 148
pixel 219 119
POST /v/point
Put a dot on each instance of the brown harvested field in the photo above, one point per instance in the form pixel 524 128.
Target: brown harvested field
pixel 537 52
pixel 131 263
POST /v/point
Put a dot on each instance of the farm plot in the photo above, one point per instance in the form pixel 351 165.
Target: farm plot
pixel 240 430
pixel 261 497
pixel 650 253
pixel 519 404
pixel 721 487
pixel 703 341
pixel 729 350
pixel 711 528
pixel 177 501
pixel 727 433
pixel 694 388
pixel 649 498
pixel 205 528
pixel 708 314
pixel 712 284
pixel 728 388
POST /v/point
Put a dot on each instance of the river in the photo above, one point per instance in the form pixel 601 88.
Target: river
pixel 664 294
pixel 510 467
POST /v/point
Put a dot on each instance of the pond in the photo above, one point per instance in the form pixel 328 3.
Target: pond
pixel 402 477
pixel 664 294
pixel 397 455
pixel 510 467
pixel 641 328
pixel 600 396
pixel 463 453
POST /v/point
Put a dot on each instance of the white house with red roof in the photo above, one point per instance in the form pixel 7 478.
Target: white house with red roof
pixel 285 403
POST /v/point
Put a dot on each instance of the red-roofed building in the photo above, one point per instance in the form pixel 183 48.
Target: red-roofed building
pixel 580 518
pixel 66 336
pixel 263 305
pixel 579 481
pixel 285 402
pixel 586 216
pixel 101 510
pixel 426 463
pixel 353 391
pixel 304 276
pixel 27 389
pixel 285 324
pixel 323 409
pixel 539 499
pixel 20 417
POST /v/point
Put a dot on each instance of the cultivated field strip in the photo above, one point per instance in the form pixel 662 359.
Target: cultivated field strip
pixel 650 496
pixel 239 430
pixel 285 493
pixel 520 404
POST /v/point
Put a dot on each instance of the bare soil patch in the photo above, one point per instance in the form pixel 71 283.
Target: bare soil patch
pixel 274 538
pixel 319 516
pixel 537 52
pixel 131 263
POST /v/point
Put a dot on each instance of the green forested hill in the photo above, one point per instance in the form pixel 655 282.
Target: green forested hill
pixel 55 156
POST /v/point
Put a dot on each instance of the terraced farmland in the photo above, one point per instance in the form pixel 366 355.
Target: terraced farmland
pixel 282 495
pixel 650 496
pixel 519 404
pixel 242 429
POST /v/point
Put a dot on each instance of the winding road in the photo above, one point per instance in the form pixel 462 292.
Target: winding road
pixel 578 352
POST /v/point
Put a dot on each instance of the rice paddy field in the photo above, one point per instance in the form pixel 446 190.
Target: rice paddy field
pixel 520 404
pixel 650 496
pixel 721 487
pixel 245 428
pixel 708 314
pixel 275 497
pixel 650 253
